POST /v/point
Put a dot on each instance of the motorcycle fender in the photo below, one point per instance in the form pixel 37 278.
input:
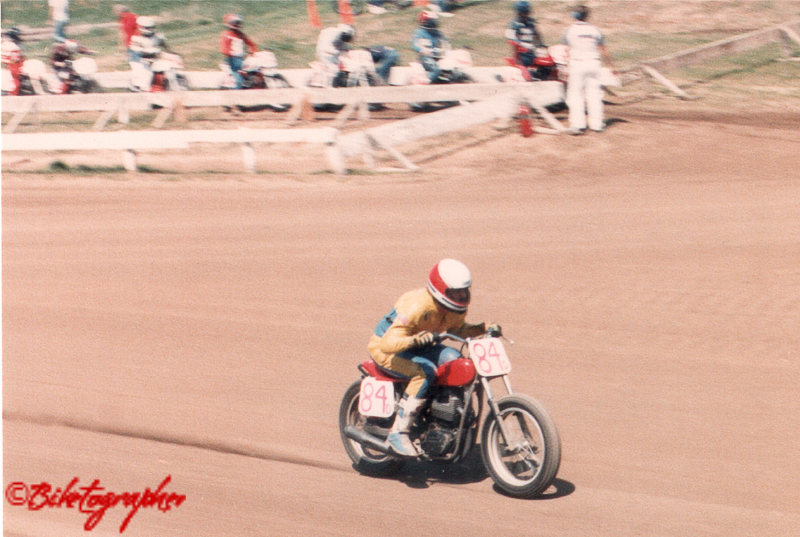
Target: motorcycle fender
pixel 456 373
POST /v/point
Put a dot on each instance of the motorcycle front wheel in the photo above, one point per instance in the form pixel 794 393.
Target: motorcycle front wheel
pixel 526 463
pixel 366 460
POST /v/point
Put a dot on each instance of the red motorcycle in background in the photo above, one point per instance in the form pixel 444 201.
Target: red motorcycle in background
pixel 520 447
pixel 549 63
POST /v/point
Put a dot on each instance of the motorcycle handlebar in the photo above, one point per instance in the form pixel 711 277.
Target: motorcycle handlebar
pixel 447 335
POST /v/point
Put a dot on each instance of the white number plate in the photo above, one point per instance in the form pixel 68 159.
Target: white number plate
pixel 489 357
pixel 376 398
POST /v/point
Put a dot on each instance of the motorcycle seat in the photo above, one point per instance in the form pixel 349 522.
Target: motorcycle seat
pixel 371 368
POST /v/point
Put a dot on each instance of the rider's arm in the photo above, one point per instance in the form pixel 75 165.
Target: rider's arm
pixel 470 330
pixel 398 338
pixel 250 44
pixel 410 309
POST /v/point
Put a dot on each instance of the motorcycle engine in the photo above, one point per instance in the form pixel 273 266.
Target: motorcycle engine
pixel 436 441
pixel 448 406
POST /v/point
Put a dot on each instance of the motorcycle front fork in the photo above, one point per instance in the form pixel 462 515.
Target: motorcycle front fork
pixel 496 408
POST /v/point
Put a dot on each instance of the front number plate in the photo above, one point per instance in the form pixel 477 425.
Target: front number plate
pixel 489 357
pixel 376 398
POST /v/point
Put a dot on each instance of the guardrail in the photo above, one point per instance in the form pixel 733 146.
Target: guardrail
pixel 545 93
pixel 131 141
pixel 783 33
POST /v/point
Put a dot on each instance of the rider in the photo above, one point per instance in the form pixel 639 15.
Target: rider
pixel 522 34
pixel 147 45
pixel 232 43
pixel 429 42
pixel 64 53
pixel 331 44
pixel 406 343
pixel 13 57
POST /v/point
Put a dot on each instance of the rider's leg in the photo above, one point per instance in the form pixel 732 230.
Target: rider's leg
pixel 235 63
pixel 388 58
pixel 431 67
pixel 427 360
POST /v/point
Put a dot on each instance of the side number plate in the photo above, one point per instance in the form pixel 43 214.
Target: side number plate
pixel 376 398
pixel 489 357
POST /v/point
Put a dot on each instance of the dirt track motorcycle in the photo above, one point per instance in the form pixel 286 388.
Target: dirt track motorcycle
pixel 259 71
pixel 32 79
pixel 356 68
pixel 78 76
pixel 454 68
pixel 548 64
pixel 520 446
pixel 158 71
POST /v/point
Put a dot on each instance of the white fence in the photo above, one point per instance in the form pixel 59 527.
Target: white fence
pixel 131 141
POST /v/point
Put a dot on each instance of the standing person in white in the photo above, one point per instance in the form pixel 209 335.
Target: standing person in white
pixel 584 92
pixel 59 15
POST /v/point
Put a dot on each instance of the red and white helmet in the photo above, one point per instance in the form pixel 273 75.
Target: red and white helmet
pixel 428 19
pixel 232 21
pixel 449 283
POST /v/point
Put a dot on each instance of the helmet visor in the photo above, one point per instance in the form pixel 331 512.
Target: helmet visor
pixel 459 296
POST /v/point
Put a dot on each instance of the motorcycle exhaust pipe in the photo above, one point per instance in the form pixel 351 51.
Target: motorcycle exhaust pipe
pixel 366 439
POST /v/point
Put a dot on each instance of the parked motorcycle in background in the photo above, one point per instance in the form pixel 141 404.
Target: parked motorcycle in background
pixel 259 71
pixel 453 68
pixel 549 63
pixel 21 76
pixel 158 71
pixel 356 68
pixel 520 446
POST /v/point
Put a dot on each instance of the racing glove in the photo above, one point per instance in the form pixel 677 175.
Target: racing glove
pixel 424 339
pixel 494 330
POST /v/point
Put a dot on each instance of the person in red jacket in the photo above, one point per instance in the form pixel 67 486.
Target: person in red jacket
pixel 235 45
pixel 127 29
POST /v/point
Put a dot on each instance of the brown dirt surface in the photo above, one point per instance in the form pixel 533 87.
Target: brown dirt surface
pixel 205 327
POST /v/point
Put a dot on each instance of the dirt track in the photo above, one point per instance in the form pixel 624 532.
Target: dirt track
pixel 650 277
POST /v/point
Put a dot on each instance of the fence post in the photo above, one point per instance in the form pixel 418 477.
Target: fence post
pixel 129 160
pixel 249 157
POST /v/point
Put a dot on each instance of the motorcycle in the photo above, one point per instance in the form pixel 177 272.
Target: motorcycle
pixel 77 77
pixel 356 68
pixel 453 67
pixel 32 79
pixel 258 71
pixel 158 71
pixel 519 443
pixel 548 64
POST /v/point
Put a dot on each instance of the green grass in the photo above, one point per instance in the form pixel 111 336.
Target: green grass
pixel 634 28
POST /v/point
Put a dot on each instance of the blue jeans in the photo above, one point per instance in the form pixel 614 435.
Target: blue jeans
pixel 431 67
pixel 58 31
pixel 429 359
pixel 235 63
pixel 385 58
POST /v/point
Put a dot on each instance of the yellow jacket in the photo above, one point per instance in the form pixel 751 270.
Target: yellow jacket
pixel 416 311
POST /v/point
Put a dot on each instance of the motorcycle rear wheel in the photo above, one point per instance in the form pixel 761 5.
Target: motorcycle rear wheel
pixel 527 465
pixel 366 460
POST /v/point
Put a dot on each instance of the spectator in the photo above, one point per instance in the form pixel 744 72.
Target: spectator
pixel 59 15
pixel 584 92
pixel 127 29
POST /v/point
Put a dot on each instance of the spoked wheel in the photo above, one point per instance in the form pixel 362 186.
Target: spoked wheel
pixel 278 82
pixel 524 464
pixel 367 461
